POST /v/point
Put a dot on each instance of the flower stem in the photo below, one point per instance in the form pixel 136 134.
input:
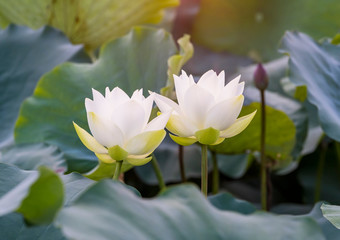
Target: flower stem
pixel 181 163
pixel 337 148
pixel 118 169
pixel 320 171
pixel 263 154
pixel 216 176
pixel 158 172
pixel 204 170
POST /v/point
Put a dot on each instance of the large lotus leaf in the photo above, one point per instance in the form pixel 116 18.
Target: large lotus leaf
pixel 317 66
pixel 328 229
pixel 226 201
pixel 138 60
pixel 255 27
pixel 234 166
pixel 13 225
pixel 32 156
pixel 109 210
pixel 37 195
pixel 280 135
pixel 332 213
pixel 294 110
pixel 90 22
pixel 24 57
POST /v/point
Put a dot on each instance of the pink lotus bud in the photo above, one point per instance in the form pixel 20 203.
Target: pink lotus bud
pixel 260 77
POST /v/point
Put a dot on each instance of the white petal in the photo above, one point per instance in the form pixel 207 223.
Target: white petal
pixel 117 97
pixel 138 95
pixel 147 104
pixel 97 96
pixel 98 105
pixel 90 106
pixel 100 108
pixel 237 127
pixel 145 142
pixel 182 84
pixel 209 82
pixel 158 122
pixel 240 88
pixel 129 117
pixel 90 142
pixel 225 113
pixel 107 92
pixel 231 89
pixel 196 104
pixel 181 126
pixel 221 80
pixel 165 104
pixel 107 135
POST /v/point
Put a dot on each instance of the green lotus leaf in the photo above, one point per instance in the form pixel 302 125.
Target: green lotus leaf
pixel 25 197
pixel 24 57
pixel 316 65
pixel 89 22
pixel 280 135
pixel 183 208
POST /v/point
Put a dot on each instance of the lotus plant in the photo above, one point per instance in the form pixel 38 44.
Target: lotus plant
pixel 120 127
pixel 206 112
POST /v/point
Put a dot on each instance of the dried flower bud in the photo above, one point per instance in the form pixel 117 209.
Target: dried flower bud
pixel 260 77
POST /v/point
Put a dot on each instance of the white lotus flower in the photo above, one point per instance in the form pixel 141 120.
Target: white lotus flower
pixel 207 111
pixel 120 128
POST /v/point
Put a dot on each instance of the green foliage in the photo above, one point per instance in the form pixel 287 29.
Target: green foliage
pixel 329 231
pixel 13 225
pixel 37 196
pixel 24 57
pixel 89 22
pixel 282 94
pixel 226 202
pixel 254 28
pixel 109 210
pixel 32 156
pixel 176 63
pixel 42 203
pixel 234 166
pixel 332 213
pixel 135 61
pixel 317 66
pixel 44 199
pixel 330 184
pixel 280 135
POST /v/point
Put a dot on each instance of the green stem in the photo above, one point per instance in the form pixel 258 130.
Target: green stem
pixel 337 148
pixel 320 171
pixel 118 169
pixel 204 170
pixel 216 176
pixel 263 154
pixel 158 172
pixel 181 163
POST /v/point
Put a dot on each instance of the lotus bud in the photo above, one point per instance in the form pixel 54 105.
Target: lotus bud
pixel 260 78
